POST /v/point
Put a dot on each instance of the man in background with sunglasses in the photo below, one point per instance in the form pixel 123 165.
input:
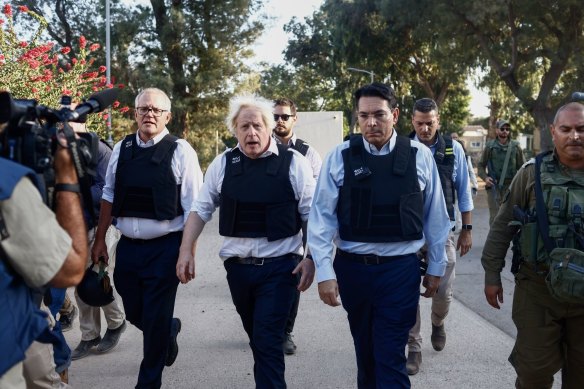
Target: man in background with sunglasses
pixel 152 180
pixel 501 159
pixel 285 118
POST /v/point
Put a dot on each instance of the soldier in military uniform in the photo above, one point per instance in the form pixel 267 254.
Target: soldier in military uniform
pixel 500 161
pixel 544 203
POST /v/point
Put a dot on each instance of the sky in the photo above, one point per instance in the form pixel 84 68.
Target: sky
pixel 274 40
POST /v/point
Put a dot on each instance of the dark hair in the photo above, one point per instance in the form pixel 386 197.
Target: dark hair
pixel 425 105
pixel 377 89
pixel 286 102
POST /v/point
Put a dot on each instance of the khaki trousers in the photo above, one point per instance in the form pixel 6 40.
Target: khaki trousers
pixel 90 317
pixel 440 301
pixel 549 336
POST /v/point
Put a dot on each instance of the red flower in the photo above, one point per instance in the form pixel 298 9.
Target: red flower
pixel 124 109
pixel 120 86
pixel 94 88
pixel 1 22
pixel 105 116
pixel 82 62
pixel 23 44
pixel 7 10
pixel 66 50
pixel 116 104
pixel 66 92
pixel 34 90
pixel 94 47
pixel 109 85
pixel 74 61
pixel 82 42
pixel 23 8
pixel 102 69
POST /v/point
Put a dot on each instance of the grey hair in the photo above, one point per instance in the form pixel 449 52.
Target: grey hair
pixel 154 91
pixel 237 103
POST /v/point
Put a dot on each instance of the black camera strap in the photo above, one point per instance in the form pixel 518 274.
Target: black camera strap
pixel 85 180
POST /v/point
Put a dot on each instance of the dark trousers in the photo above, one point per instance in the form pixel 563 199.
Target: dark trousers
pixel 145 278
pixel 381 302
pixel 263 296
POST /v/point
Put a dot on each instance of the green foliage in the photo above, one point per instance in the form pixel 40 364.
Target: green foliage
pixel 34 69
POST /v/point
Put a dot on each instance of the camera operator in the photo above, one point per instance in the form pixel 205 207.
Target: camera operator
pixel 37 248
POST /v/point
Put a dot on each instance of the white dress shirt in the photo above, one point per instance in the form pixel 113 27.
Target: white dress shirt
pixel 187 173
pixel 312 156
pixel 208 200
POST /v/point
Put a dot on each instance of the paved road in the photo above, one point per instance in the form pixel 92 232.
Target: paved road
pixel 214 352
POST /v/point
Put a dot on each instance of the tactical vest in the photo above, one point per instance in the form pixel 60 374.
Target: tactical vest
pixel 380 200
pixel 564 201
pixel 444 157
pixel 496 160
pixel 21 322
pixel 300 146
pixel 145 184
pixel 257 198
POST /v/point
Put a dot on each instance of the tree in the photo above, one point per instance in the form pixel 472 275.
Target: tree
pixel 522 38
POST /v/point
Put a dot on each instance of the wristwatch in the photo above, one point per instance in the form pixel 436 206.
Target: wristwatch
pixel 467 226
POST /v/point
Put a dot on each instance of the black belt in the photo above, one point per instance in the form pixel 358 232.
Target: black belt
pixel 369 259
pixel 261 261
pixel 144 241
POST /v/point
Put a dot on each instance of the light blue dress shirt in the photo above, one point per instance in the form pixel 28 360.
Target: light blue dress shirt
pixel 459 177
pixel 323 224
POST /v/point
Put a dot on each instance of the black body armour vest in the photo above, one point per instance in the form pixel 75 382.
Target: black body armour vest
pixel 380 200
pixel 257 199
pixel 300 146
pixel 444 158
pixel 145 184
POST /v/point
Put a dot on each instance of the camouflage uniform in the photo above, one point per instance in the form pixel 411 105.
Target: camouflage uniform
pixel 548 331
pixel 496 153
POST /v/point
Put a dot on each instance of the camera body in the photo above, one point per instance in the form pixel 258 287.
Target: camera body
pixel 33 132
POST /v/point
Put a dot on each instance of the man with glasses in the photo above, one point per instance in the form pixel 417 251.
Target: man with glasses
pixel 501 159
pixel 285 118
pixel 378 203
pixel 453 172
pixel 151 182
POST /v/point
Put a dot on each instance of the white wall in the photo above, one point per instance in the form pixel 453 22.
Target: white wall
pixel 322 130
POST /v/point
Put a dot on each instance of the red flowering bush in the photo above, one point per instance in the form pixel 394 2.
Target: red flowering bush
pixel 31 69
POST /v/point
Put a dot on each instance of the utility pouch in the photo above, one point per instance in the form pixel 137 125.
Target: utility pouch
pixel 565 279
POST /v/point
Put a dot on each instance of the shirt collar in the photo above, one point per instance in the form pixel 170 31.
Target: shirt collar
pixel 385 149
pixel 152 141
pixel 291 141
pixel 272 149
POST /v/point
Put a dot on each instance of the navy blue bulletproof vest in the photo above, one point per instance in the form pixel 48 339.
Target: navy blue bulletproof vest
pixel 21 322
pixel 444 158
pixel 145 184
pixel 380 200
pixel 300 146
pixel 257 199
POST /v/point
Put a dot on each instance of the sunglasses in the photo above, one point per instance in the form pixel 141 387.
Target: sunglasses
pixel 284 117
pixel 508 129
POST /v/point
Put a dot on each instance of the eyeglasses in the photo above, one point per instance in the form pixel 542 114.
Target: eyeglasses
pixel 381 115
pixel 284 117
pixel 508 129
pixel 155 111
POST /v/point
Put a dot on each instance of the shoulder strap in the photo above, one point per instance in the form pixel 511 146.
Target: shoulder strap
pixel 541 213
pixel 402 155
pixel 301 146
pixel 357 157
pixel 165 145
pixel 127 147
pixel 510 149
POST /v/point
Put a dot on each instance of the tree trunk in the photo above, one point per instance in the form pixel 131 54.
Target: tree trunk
pixel 543 116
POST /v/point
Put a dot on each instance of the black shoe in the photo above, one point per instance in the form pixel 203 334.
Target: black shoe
pixel 413 363
pixel 172 351
pixel 288 345
pixel 111 338
pixel 438 337
pixel 82 349
pixel 66 321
